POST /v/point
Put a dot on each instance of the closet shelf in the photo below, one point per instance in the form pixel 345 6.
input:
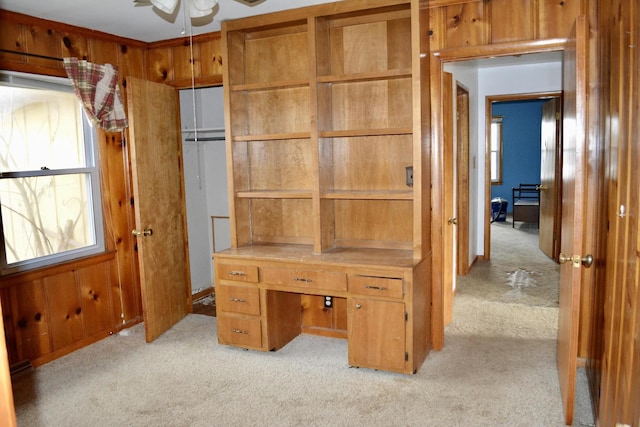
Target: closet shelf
pixel 365 132
pixel 368 76
pixel 283 84
pixel 274 194
pixel 272 137
pixel 368 195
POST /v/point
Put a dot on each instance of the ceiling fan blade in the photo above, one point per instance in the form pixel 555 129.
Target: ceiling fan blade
pixel 250 2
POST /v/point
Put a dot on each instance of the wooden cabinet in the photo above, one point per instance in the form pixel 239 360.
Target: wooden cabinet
pixel 377 339
pixel 250 316
pixel 326 152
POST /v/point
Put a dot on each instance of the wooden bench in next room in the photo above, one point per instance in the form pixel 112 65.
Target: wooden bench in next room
pixel 526 203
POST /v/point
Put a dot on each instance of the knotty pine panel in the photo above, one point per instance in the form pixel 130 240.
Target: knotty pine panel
pixel 556 17
pixel 211 57
pixel 182 61
pixel 30 315
pixel 119 211
pixel 42 40
pixel 9 325
pixel 12 38
pixel 160 65
pixel 95 286
pixel 437 30
pixel 466 25
pixel 511 20
pixel 103 52
pixel 65 309
pixel 74 45
pixel 131 63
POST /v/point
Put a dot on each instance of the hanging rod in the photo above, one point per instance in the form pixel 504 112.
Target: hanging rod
pixel 211 138
pixel 203 130
pixel 34 55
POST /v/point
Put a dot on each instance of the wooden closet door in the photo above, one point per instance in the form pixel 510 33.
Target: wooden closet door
pixel 158 189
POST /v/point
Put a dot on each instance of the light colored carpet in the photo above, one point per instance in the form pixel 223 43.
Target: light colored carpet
pixel 518 272
pixel 184 378
pixel 496 369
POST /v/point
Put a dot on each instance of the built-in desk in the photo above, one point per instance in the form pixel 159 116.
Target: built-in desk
pixel 258 300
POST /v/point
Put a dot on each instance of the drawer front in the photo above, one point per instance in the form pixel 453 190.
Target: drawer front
pixel 307 279
pixel 240 332
pixel 237 272
pixel 238 299
pixel 376 286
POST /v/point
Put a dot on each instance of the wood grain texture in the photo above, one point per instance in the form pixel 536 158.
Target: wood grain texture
pixel 159 204
pixel 7 410
pixel 573 182
pixel 512 20
pixel 619 366
pixel 31 320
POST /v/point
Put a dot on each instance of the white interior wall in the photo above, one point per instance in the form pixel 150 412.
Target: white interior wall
pixel 205 180
pixel 468 77
pixel 482 79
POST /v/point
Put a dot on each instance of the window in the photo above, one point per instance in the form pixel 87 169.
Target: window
pixel 50 208
pixel 496 150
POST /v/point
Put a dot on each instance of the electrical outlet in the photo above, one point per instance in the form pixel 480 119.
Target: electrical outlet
pixel 409 176
pixel 328 302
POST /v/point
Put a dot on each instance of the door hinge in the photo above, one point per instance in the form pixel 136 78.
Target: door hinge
pixel 406 356
pixel 558 116
pixel 555 236
pixel 406 316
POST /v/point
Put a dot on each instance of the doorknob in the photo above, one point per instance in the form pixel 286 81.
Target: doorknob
pixel 453 221
pixel 587 261
pixel 145 232
pixel 541 187
pixel 577 260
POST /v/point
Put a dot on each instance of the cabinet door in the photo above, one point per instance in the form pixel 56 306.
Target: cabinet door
pixel 377 334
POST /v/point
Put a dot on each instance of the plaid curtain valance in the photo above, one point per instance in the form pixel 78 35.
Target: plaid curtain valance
pixel 97 87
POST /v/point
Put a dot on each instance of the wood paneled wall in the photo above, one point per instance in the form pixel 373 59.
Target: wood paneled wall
pixel 619 293
pixel 170 62
pixel 50 312
pixel 469 23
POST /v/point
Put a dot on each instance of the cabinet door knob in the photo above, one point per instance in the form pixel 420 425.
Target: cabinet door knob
pixel 358 306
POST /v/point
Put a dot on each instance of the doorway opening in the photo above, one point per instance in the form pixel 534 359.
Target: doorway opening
pixel 478 72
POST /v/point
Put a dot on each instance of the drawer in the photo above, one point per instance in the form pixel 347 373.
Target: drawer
pixel 240 332
pixel 237 272
pixel 238 299
pixel 376 286
pixel 307 279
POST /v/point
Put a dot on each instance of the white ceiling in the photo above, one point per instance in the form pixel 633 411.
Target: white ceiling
pixel 145 23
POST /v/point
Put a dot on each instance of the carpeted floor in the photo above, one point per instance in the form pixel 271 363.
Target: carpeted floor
pixel 518 272
pixel 497 369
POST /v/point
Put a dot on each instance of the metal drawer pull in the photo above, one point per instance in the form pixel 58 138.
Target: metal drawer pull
pixel 237 299
pixel 300 279
pixel 238 331
pixel 237 273
pixel 378 288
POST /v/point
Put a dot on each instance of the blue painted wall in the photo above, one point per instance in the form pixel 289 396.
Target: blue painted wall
pixel 521 125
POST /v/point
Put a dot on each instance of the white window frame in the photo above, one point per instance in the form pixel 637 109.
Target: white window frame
pixel 92 170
